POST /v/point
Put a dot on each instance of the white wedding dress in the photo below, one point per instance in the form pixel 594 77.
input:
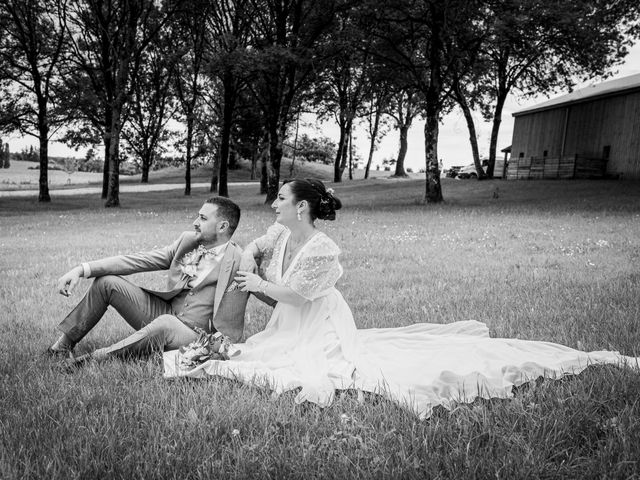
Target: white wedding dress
pixel 316 347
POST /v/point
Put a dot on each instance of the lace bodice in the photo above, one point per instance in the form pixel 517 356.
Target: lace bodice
pixel 313 270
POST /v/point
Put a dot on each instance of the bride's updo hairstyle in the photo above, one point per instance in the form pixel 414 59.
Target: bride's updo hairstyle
pixel 322 203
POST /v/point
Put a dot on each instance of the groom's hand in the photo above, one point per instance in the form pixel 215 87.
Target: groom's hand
pixel 69 280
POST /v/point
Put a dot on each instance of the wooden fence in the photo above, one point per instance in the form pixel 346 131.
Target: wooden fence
pixel 564 167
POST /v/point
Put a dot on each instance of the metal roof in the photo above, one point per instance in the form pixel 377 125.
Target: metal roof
pixel 604 89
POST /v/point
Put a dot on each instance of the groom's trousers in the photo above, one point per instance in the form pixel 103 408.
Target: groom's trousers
pixel 152 317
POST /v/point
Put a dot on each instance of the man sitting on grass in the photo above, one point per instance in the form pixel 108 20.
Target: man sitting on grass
pixel 201 294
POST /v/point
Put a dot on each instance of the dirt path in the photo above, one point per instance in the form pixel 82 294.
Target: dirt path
pixel 98 190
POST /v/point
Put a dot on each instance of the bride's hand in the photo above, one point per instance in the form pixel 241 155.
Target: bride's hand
pixel 249 282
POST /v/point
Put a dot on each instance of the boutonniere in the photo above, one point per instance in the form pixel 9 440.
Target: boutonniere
pixel 233 286
pixel 189 263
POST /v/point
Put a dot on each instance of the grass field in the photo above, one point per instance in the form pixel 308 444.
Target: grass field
pixel 547 260
pixel 25 176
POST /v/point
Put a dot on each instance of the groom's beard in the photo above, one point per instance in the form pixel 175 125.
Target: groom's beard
pixel 213 238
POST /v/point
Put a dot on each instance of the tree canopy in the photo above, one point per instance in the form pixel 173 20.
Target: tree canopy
pixel 238 73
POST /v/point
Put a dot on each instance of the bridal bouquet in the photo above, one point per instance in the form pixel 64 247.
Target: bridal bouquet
pixel 208 346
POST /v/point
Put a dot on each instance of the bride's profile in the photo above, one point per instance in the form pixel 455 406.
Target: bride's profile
pixel 311 341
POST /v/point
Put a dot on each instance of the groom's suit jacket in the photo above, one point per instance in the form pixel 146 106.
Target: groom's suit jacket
pixel 216 300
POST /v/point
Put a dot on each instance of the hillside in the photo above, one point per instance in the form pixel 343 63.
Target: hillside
pixel 25 175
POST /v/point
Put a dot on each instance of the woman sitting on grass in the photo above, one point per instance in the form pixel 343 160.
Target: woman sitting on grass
pixel 311 341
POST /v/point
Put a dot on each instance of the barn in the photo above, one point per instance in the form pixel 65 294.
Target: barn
pixel 589 133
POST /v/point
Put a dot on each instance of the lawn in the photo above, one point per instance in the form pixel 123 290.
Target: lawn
pixel 547 260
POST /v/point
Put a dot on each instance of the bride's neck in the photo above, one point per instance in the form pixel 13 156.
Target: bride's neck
pixel 302 231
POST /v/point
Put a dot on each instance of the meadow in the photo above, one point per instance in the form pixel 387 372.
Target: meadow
pixel 545 260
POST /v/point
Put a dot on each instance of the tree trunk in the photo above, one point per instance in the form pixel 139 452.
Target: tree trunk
pixel 351 155
pixel 254 164
pixel 273 166
pixel 187 173
pixel 471 127
pixel 337 172
pixel 146 165
pixel 345 149
pixel 113 191
pixel 263 174
pixel 433 187
pixel 372 145
pixel 402 153
pixel 43 195
pixel 105 166
pixel 495 129
pixel 225 140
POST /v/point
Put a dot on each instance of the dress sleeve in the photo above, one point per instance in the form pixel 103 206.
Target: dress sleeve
pixel 317 269
pixel 266 242
pixel 266 245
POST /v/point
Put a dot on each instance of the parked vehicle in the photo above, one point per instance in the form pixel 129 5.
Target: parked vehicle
pixel 469 171
pixel 452 172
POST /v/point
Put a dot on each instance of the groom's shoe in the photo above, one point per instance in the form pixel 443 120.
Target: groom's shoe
pixel 62 348
pixel 58 352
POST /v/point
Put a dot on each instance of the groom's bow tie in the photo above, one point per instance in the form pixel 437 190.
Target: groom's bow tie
pixel 202 251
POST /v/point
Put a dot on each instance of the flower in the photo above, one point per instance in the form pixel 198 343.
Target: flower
pixel 235 432
pixel 189 263
pixel 215 346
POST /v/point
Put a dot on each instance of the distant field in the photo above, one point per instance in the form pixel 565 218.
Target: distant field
pixel 23 175
pixel 540 260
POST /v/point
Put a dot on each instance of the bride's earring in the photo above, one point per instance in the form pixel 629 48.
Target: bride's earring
pixel 299 217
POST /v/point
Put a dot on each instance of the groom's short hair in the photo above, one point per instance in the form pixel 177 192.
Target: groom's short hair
pixel 228 210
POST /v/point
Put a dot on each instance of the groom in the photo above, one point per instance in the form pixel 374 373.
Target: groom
pixel 200 293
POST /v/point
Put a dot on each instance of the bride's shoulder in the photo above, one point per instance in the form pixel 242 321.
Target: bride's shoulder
pixel 323 244
pixel 276 230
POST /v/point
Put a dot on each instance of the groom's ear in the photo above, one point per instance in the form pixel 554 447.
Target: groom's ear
pixel 223 226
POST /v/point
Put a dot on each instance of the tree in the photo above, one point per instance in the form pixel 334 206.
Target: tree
pixel 189 33
pixel 345 82
pixel 152 103
pixel 411 37
pixel 322 150
pixel 32 45
pixel 284 62
pixel 230 26
pixel 403 109
pixel 536 46
pixel 108 38
pixel 376 106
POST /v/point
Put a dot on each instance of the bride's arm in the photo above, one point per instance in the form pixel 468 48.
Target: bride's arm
pixel 260 249
pixel 250 256
pixel 250 282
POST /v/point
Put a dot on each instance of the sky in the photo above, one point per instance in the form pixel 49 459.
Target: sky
pixel 453 142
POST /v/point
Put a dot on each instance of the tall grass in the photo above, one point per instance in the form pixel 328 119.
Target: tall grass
pixel 554 261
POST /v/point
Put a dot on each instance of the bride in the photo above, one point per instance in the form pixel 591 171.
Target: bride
pixel 311 341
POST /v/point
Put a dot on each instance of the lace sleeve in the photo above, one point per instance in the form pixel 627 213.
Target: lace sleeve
pixel 317 269
pixel 266 242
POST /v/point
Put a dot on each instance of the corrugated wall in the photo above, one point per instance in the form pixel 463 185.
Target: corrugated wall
pixel 613 122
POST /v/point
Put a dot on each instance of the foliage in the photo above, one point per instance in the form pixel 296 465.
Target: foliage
pixel 547 260
pixel 111 72
pixel 321 149
pixel 28 154
pixel 535 47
